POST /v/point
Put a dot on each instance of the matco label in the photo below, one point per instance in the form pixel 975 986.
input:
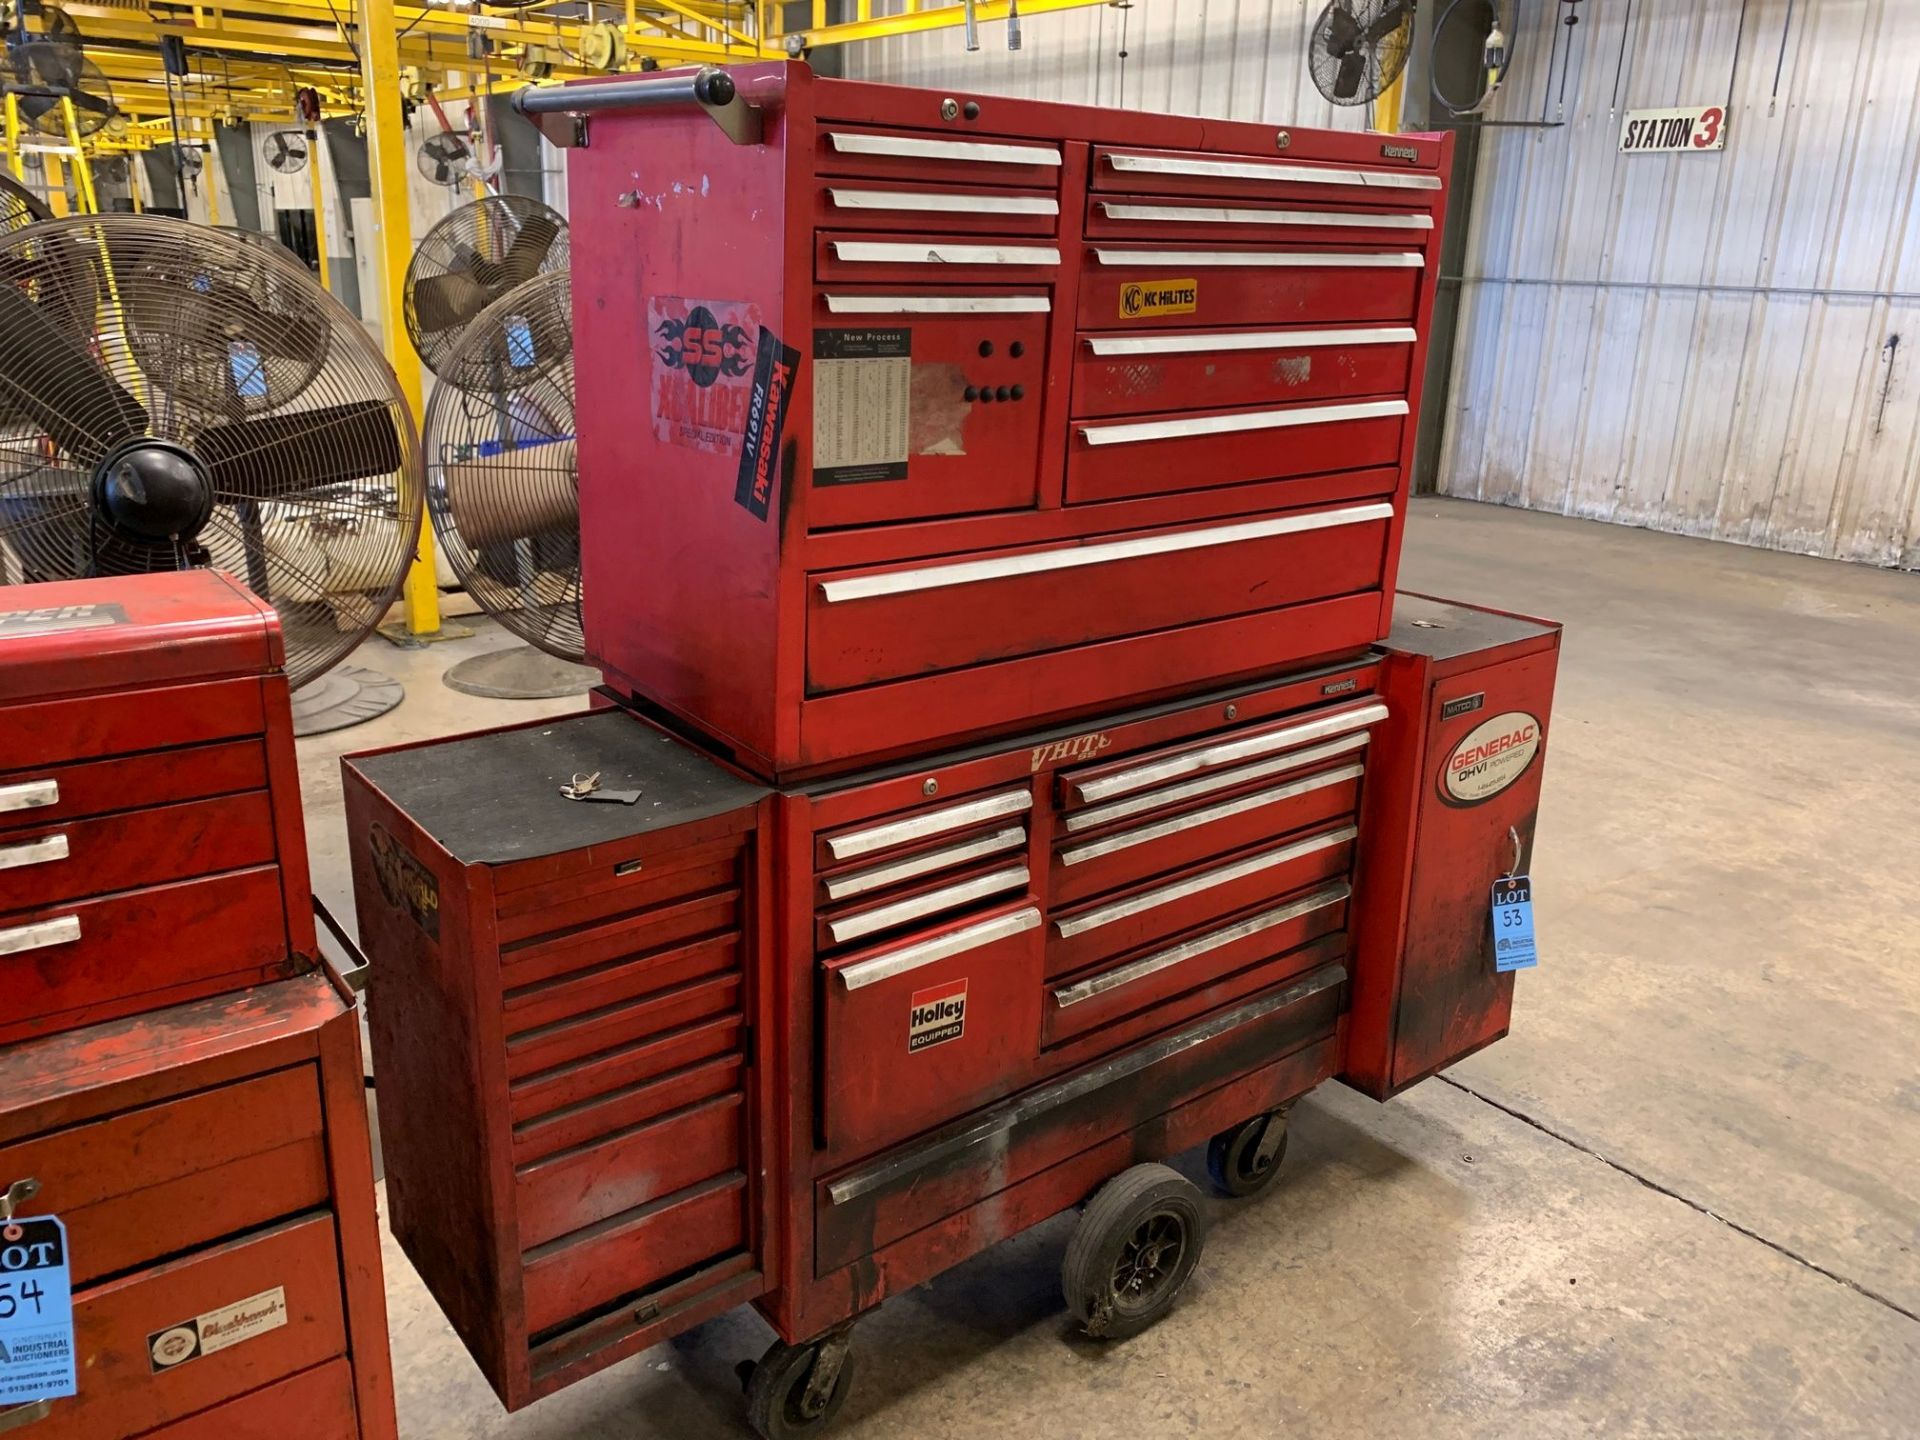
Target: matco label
pixel 1080 747
pixel 1493 755
pixel 936 1014
pixel 1143 299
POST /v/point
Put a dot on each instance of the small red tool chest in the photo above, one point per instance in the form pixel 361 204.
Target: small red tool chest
pixel 211 1164
pixel 151 847
pixel 946 416
pixel 814 1045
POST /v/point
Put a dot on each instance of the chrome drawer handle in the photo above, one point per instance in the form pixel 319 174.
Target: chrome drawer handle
pixel 29 795
pixel 62 930
pixel 1262 259
pixel 1244 747
pixel 976 152
pixel 919 907
pixel 21 1416
pixel 1272 171
pixel 1077 820
pixel 1074 557
pixel 935 200
pixel 926 952
pixel 1194 819
pixel 929 822
pixel 895 252
pixel 1197 884
pixel 35 852
pixel 878 877
pixel 1134 434
pixel 938 304
pixel 1066 995
pixel 1224 215
pixel 1212 342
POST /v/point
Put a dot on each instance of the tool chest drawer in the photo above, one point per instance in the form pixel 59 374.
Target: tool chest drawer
pixel 908 155
pixel 905 205
pixel 885 624
pixel 210 1164
pixel 1124 374
pixel 586 1174
pixel 923 256
pixel 59 732
pixel 1149 286
pixel 1147 217
pixel 1153 454
pixel 1173 172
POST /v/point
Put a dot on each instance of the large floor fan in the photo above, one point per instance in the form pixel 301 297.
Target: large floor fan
pixel 469 259
pixel 172 396
pixel 502 483
pixel 19 206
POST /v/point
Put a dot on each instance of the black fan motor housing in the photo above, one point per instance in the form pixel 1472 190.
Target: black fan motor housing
pixel 152 492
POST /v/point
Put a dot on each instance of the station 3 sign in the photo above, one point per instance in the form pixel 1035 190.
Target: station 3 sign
pixel 1663 132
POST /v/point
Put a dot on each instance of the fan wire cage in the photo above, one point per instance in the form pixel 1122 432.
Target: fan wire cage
pixel 1358 48
pixel 502 478
pixel 172 395
pixel 469 259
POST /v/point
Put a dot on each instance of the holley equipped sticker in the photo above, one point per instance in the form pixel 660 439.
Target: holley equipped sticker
pixel 1143 299
pixel 704 352
pixel 936 1014
pixel 1490 757
pixel 217 1330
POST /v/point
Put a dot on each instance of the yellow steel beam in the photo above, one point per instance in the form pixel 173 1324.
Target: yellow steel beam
pixel 913 21
pixel 387 167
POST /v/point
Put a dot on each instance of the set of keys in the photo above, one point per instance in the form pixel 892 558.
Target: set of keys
pixel 587 787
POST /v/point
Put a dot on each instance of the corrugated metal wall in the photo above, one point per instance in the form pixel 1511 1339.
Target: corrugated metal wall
pixel 1697 343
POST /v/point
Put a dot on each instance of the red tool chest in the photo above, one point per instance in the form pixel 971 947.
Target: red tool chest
pixel 151 847
pixel 211 1163
pixel 964 416
pixel 812 1045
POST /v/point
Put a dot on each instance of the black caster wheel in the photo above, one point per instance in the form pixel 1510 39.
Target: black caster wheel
pixel 1244 1158
pixel 1134 1249
pixel 798 1389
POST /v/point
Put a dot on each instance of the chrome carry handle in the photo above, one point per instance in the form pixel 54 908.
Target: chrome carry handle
pixel 560 111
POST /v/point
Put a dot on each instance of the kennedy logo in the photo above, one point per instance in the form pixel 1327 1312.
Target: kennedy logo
pixel 1401 152
pixel 1080 747
pixel 936 1015
pixel 1143 299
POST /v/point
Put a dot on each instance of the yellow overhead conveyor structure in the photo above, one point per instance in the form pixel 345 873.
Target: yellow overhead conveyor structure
pixel 248 62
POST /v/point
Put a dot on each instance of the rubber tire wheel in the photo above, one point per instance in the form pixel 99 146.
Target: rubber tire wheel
pixel 777 1386
pixel 1230 1157
pixel 1121 1212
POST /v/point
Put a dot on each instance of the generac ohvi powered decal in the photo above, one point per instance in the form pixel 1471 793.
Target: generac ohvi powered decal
pixel 1490 757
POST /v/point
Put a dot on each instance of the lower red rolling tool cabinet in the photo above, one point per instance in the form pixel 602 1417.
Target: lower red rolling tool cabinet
pixel 689 1042
pixel 210 1161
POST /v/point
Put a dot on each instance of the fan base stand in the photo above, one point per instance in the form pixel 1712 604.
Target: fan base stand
pixel 520 672
pixel 345 695
pixel 397 634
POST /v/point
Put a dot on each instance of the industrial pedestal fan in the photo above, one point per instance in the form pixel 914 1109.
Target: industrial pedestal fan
pixel 172 396
pixel 502 488
pixel 469 259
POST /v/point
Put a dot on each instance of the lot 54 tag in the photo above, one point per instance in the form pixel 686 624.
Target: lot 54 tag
pixel 36 1312
pixel 1513 947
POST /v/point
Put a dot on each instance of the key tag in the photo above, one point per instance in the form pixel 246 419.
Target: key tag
pixel 1513 942
pixel 36 1305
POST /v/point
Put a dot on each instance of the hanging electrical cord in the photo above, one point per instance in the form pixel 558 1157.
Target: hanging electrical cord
pixel 1496 57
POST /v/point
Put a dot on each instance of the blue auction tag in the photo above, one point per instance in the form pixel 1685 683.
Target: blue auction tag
pixel 1513 947
pixel 36 1312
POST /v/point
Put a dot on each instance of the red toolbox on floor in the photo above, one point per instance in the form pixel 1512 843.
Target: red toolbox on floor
pixel 814 1045
pixel 151 846
pixel 941 417
pixel 210 1163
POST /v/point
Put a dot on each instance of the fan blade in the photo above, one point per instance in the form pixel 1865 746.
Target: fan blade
pixel 529 248
pixel 448 302
pixel 497 498
pixel 53 380
pixel 95 103
pixel 1387 21
pixel 1342 30
pixel 281 455
pixel 34 108
pixel 1353 69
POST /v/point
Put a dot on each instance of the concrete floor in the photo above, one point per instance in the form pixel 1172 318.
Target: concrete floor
pixel 1683 1198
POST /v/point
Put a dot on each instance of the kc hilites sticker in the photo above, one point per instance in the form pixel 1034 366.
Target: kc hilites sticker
pixel 936 1014
pixel 1144 299
pixel 1493 755
pixel 216 1330
pixel 704 353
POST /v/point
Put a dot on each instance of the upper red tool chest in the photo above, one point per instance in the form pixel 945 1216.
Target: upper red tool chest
pixel 151 846
pixel 943 416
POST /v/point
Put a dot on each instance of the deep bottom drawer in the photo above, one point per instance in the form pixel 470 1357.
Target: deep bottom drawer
pixel 316 1404
pixel 238 1317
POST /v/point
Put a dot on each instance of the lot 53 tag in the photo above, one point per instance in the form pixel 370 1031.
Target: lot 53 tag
pixel 1513 947
pixel 36 1312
